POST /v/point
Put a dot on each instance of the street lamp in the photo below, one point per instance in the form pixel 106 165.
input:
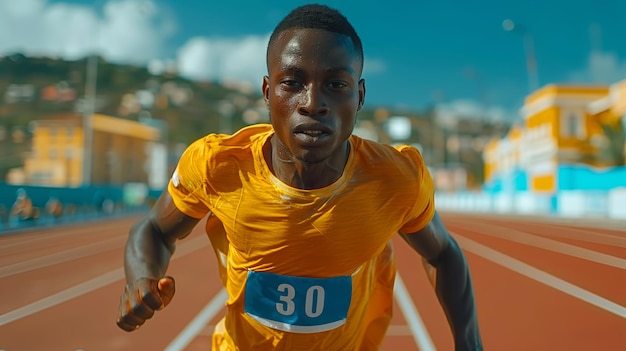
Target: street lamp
pixel 529 49
pixel 89 109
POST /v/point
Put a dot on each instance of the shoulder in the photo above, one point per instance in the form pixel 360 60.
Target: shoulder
pixel 215 144
pixel 388 156
pixel 216 155
pixel 216 159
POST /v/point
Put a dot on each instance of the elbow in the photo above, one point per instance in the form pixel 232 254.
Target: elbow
pixel 449 252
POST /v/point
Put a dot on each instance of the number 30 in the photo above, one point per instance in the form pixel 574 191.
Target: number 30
pixel 313 302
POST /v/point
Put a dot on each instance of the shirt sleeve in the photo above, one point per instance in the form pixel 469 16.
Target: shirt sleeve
pixel 423 209
pixel 187 186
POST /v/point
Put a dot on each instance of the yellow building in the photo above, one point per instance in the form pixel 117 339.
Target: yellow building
pixel 121 151
pixel 501 157
pixel 563 125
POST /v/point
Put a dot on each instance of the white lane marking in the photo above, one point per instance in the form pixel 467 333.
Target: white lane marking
pixel 54 234
pixel 420 334
pixel 568 230
pixel 569 222
pixel 60 257
pixel 550 244
pixel 587 234
pixel 88 286
pixel 61 296
pixel 418 330
pixel 199 322
pixel 540 276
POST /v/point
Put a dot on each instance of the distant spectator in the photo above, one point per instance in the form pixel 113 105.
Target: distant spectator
pixel 108 206
pixel 23 207
pixel 54 207
pixel 98 200
pixel 102 203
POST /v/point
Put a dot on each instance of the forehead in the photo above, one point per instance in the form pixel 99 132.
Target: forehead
pixel 313 47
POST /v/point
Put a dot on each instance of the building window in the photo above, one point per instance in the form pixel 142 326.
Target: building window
pixel 572 124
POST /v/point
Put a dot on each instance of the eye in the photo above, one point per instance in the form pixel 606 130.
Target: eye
pixel 291 83
pixel 337 85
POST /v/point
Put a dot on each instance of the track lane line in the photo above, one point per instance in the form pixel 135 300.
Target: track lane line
pixel 568 231
pixel 199 322
pixel 88 286
pixel 415 323
pixel 540 276
pixel 541 242
pixel 418 329
pixel 61 256
pixel 53 234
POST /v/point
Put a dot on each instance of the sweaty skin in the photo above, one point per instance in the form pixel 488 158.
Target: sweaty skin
pixel 313 87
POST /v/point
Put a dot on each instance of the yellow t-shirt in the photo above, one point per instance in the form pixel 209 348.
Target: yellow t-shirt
pixel 304 269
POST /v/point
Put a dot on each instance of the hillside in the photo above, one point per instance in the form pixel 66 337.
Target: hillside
pixel 33 88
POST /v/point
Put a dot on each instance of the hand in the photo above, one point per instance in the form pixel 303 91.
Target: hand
pixel 141 299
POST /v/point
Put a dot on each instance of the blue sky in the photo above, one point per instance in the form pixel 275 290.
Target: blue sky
pixel 417 52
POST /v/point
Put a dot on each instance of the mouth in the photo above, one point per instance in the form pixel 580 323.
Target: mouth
pixel 312 133
pixel 312 129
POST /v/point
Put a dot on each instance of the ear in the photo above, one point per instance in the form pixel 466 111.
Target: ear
pixel 361 94
pixel 266 90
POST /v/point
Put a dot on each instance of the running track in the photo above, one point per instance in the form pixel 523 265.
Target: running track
pixel 540 285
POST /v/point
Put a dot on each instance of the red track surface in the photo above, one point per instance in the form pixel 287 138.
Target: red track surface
pixel 542 285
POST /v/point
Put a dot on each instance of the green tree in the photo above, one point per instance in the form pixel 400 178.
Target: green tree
pixel 613 152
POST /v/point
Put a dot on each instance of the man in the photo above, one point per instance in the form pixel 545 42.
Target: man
pixel 301 212
pixel 23 206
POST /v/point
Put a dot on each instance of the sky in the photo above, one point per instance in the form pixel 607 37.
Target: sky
pixel 452 54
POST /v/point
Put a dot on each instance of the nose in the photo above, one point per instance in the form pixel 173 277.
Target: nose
pixel 313 101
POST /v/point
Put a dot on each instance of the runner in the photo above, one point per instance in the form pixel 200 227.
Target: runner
pixel 301 212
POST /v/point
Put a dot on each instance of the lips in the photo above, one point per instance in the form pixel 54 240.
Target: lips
pixel 313 133
pixel 312 129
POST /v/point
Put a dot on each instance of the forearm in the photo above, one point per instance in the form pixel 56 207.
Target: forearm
pixel 146 254
pixel 455 293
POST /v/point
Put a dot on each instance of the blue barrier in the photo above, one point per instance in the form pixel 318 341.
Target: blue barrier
pixel 79 204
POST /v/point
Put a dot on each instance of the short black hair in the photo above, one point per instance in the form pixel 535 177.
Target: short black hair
pixel 316 16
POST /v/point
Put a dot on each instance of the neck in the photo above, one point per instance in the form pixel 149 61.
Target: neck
pixel 305 175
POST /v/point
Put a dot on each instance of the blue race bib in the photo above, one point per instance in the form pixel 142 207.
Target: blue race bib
pixel 296 304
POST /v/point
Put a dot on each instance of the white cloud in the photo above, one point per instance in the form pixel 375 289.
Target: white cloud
pixel 602 67
pixel 128 31
pixel 131 31
pixel 240 59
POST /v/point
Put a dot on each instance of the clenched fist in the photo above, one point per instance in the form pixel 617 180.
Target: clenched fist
pixel 141 299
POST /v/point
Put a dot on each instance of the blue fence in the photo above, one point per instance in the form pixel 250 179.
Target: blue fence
pixel 79 204
pixel 580 177
pixel 569 177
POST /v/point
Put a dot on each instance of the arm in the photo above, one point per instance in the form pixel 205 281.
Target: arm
pixel 150 245
pixel 449 273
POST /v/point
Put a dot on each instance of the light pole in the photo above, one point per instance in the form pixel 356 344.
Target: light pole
pixel 88 111
pixel 90 98
pixel 529 50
